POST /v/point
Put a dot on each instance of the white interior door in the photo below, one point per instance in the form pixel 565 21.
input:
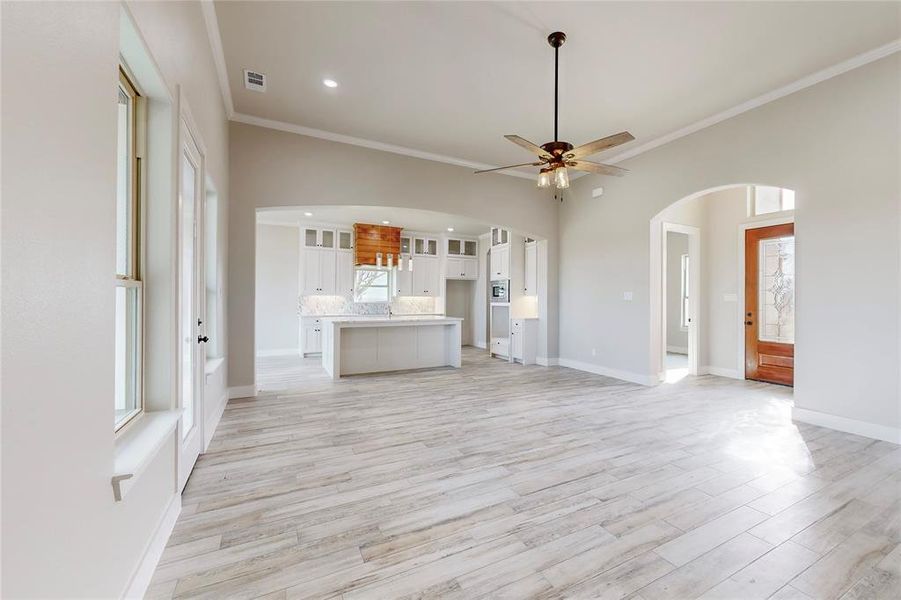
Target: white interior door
pixel 191 355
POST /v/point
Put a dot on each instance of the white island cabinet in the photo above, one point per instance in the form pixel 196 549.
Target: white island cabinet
pixel 354 345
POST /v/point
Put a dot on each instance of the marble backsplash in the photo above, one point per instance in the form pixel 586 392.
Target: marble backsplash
pixel 344 305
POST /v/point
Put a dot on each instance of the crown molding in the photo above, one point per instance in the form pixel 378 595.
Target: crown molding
pixel 371 144
pixel 212 26
pixel 212 30
pixel 796 86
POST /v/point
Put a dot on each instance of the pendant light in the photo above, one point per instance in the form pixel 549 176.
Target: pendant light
pixel 561 178
pixel 544 178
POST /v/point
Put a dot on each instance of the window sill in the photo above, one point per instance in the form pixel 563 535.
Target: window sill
pixel 213 364
pixel 137 447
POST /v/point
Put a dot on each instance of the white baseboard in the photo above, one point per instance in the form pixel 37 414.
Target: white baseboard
pixel 481 344
pixel 721 372
pixel 870 430
pixel 242 391
pixel 677 349
pixel 544 361
pixel 140 580
pixel 279 352
pixel 608 372
pixel 209 428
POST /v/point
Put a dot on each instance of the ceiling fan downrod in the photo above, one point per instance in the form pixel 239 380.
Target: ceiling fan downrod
pixel 556 40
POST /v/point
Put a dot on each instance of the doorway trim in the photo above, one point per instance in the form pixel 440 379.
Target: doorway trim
pixel 787 217
pixel 694 279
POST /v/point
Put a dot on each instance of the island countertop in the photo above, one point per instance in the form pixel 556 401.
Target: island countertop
pixel 392 321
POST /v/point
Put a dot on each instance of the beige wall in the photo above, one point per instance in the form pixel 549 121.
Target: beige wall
pixel 837 145
pixel 278 254
pixel 274 168
pixel 63 534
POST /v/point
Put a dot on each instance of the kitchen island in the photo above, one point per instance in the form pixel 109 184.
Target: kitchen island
pixel 355 345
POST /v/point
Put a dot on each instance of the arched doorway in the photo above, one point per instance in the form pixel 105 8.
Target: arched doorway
pixel 714 316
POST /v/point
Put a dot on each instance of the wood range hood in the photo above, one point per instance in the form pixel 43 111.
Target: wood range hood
pixel 369 240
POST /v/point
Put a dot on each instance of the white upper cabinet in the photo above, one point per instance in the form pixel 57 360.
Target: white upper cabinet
pixel 462 268
pixel 403 283
pixel 314 237
pixel 344 280
pixel 499 236
pixel 406 245
pixel 530 287
pixel 424 246
pixel 462 247
pixel 345 240
pixel 319 272
pixel 426 278
pixel 500 262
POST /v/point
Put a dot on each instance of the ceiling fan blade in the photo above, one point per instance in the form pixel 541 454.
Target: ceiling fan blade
pixel 533 148
pixel 531 164
pixel 591 167
pixel 602 144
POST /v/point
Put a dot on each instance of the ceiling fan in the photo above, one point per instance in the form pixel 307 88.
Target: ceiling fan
pixel 555 157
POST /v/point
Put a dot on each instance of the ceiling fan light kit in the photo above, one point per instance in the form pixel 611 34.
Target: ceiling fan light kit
pixel 557 156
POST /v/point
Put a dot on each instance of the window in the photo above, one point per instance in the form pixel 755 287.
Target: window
pixel 129 288
pixel 213 317
pixel 765 200
pixel 684 305
pixel 371 285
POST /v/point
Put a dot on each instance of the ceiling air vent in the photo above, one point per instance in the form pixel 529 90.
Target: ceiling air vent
pixel 254 81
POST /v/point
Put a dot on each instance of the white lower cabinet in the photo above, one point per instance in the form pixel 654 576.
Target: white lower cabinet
pixel 310 335
pixel 462 268
pixel 500 347
pixel 425 277
pixel 524 340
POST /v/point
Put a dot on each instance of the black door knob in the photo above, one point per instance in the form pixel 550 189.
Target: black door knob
pixel 202 339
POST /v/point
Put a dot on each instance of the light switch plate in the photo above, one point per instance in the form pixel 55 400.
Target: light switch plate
pixel 597 192
pixel 627 296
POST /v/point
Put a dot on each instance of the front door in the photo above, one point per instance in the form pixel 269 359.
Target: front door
pixel 191 354
pixel 770 304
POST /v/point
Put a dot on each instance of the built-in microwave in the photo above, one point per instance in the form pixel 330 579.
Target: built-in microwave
pixel 500 290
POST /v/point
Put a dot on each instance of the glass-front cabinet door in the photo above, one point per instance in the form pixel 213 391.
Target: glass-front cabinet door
pixel 345 240
pixel 454 247
pixel 327 238
pixel 405 245
pixel 432 247
pixel 470 248
pixel 310 237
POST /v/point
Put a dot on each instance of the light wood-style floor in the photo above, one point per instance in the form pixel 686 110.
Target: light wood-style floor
pixel 501 481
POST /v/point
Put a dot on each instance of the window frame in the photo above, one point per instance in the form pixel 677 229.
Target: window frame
pixel 684 314
pixel 387 286
pixel 132 279
pixel 752 201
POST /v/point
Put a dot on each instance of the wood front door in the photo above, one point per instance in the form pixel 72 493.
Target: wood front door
pixel 770 304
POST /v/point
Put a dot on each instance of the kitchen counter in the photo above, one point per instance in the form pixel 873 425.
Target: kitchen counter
pixel 354 344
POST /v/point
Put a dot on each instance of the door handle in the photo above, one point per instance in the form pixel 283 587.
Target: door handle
pixel 749 322
pixel 202 339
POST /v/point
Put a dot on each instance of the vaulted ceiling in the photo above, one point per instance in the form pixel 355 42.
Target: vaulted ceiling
pixel 452 78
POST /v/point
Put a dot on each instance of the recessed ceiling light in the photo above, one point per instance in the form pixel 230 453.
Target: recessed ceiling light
pixel 450 228
pixel 308 214
pixel 386 222
pixel 331 83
